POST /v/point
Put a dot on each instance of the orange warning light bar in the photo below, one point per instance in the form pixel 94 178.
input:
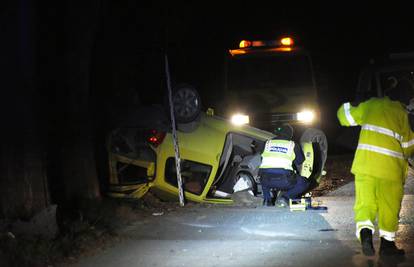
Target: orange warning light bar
pixel 286 41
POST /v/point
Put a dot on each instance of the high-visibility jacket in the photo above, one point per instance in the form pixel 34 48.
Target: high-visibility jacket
pixel 278 154
pixel 385 140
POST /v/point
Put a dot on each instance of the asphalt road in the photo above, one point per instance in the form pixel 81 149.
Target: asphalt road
pixel 254 236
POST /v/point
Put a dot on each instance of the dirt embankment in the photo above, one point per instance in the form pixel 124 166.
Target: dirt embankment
pixel 338 173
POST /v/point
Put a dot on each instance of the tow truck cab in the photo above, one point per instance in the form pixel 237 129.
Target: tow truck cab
pixel 268 83
pixel 375 79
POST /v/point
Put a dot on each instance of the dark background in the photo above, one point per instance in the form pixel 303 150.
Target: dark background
pixel 130 40
pixel 73 69
pixel 341 37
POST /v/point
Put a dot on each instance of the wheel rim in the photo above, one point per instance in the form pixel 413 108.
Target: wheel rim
pixel 186 103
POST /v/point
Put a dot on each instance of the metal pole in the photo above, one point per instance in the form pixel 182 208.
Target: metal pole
pixel 174 135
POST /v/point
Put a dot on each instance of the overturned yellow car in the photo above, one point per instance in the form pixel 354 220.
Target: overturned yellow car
pixel 218 158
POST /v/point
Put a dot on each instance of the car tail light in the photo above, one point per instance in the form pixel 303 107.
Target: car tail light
pixel 155 137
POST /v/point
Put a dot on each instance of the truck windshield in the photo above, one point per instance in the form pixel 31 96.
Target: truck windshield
pixel 276 72
pixel 388 78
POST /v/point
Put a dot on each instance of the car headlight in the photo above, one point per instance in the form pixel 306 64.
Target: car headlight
pixel 239 119
pixel 306 116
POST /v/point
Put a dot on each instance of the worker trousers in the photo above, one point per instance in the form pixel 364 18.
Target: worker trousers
pixel 377 198
pixel 293 184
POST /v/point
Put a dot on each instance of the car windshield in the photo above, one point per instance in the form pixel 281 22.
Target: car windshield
pixel 254 72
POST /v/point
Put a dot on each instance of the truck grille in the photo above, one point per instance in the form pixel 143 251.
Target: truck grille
pixel 268 120
pixel 282 117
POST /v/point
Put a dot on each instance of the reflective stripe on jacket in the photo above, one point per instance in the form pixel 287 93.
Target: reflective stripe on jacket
pixel 385 141
pixel 278 154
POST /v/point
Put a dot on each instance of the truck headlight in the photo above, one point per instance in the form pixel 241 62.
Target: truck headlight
pixel 239 119
pixel 306 116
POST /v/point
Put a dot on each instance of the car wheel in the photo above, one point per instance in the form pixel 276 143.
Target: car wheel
pixel 187 103
pixel 316 136
pixel 247 195
pixel 313 135
pixel 247 182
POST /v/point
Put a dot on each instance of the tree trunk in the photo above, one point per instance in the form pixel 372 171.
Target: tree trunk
pixel 78 159
pixel 23 183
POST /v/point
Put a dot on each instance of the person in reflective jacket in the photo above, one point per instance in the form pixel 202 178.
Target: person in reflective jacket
pixel 281 160
pixel 380 164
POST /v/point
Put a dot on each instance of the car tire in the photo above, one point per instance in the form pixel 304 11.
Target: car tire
pixel 251 182
pixel 313 135
pixel 187 103
pixel 320 146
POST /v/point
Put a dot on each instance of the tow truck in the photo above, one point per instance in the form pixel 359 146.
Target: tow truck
pixel 268 83
pixel 380 74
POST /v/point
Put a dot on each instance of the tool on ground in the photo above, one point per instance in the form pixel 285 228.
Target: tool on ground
pixel 305 203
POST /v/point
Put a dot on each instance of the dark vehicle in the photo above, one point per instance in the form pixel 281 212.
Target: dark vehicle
pixel 268 83
pixel 375 79
pixel 382 75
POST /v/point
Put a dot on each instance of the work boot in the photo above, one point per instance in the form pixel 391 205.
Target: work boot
pixel 366 242
pixel 282 202
pixel 389 248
